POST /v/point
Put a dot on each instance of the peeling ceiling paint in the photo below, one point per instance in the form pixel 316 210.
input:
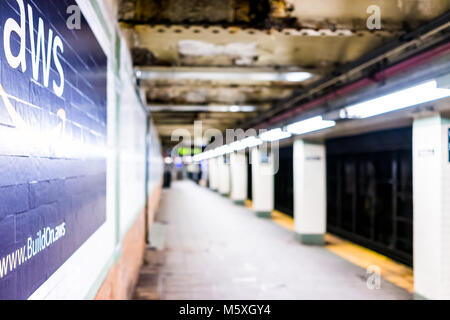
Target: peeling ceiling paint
pixel 240 53
pixel 317 35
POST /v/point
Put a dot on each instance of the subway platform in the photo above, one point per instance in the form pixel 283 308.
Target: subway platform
pixel 211 248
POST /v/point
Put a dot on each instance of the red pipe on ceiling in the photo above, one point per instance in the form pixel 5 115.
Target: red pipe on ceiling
pixel 381 75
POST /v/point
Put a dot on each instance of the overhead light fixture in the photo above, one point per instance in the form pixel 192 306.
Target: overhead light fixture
pixel 168 160
pixel 203 156
pixel 187 159
pixel 425 92
pixel 223 150
pixel 248 142
pixel 274 135
pixel 310 125
pixel 251 142
pixel 199 157
pixel 237 145
pixel 222 74
pixel 208 154
pixel 296 76
pixel 234 108
pixel 201 108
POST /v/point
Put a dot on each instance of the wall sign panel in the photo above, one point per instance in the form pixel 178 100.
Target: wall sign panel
pixel 52 141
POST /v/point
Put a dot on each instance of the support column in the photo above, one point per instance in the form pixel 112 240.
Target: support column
pixel 431 207
pixel 309 192
pixel 213 174
pixel 238 167
pixel 224 175
pixel 262 182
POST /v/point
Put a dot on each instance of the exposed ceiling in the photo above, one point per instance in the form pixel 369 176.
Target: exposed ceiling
pixel 172 38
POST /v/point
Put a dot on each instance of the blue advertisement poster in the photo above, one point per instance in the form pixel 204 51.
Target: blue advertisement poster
pixel 52 141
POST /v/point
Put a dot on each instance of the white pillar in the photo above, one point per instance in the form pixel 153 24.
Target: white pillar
pixel 309 192
pixel 238 167
pixel 224 176
pixel 262 182
pixel 431 206
pixel 213 174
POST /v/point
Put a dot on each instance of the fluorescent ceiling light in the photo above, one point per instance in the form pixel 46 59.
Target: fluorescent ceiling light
pixel 248 142
pixel 203 156
pixel 234 109
pixel 237 145
pixel 201 108
pixel 310 125
pixel 296 76
pixel 223 150
pixel 274 135
pixel 416 95
pixel 210 154
pixel 251 142
pixel 199 157
pixel 215 152
pixel 187 159
pixel 168 160
pixel 226 74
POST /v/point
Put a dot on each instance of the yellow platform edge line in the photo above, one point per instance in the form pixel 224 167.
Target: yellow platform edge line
pixel 283 219
pixel 394 272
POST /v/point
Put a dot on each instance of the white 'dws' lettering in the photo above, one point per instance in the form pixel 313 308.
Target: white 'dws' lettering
pixel 38 50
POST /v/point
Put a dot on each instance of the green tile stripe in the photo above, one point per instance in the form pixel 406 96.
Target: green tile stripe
pixel 103 274
pixel 116 65
pixel 117 48
pixel 263 214
pixel 418 296
pixel 117 161
pixel 101 17
pixel 312 239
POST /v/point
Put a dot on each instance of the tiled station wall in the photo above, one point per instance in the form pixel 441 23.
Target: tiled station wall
pixel 41 183
pixel 105 265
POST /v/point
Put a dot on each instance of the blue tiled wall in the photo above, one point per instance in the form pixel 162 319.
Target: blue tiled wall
pixel 39 187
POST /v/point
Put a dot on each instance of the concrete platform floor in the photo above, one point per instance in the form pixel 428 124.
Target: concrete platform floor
pixel 214 249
